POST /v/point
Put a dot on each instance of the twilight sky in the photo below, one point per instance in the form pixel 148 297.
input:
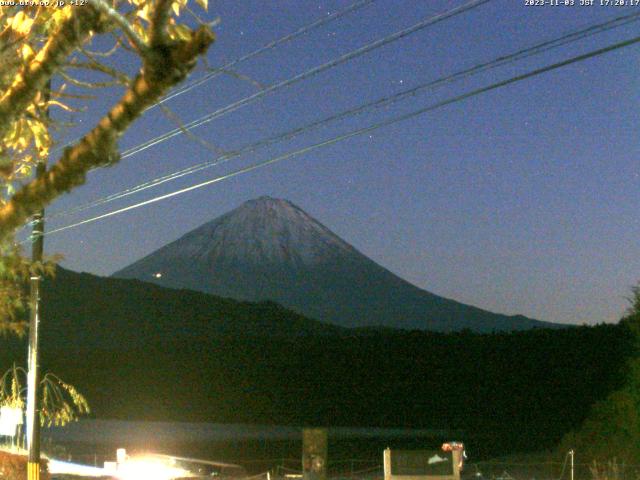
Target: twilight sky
pixel 520 200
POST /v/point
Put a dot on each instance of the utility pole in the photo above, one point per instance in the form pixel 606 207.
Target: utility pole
pixel 33 376
pixel 572 466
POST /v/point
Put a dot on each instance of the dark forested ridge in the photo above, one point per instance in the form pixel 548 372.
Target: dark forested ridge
pixel 138 354
pixel 526 389
pixel 108 312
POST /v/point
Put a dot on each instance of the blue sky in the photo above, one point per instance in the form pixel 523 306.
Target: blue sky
pixel 520 200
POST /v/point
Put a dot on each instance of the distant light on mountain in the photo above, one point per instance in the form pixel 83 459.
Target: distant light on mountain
pixel 270 249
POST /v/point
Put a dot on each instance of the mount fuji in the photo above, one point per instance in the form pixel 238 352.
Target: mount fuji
pixel 270 249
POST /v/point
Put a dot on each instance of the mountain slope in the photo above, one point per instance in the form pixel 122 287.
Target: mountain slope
pixel 84 309
pixel 270 249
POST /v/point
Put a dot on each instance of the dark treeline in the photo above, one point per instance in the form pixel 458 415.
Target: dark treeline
pixel 142 352
pixel 521 390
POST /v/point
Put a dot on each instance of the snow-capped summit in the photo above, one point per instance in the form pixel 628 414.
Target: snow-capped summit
pixel 264 230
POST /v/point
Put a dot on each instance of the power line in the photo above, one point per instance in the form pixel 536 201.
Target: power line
pixel 232 63
pixel 306 74
pixel 385 101
pixel 360 131
pixel 302 30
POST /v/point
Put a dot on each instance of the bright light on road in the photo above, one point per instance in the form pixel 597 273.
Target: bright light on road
pixel 148 469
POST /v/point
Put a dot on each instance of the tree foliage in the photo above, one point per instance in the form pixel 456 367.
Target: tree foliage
pixel 60 402
pixel 47 64
pixel 612 430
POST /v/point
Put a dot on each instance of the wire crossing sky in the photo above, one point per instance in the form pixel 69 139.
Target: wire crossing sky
pixel 523 53
pixel 520 199
pixel 304 75
pixel 181 90
pixel 348 135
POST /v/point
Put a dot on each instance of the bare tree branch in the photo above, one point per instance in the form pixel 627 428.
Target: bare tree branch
pixel 108 53
pixel 176 119
pixel 115 17
pixel 83 84
pixel 98 147
pixel 101 67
